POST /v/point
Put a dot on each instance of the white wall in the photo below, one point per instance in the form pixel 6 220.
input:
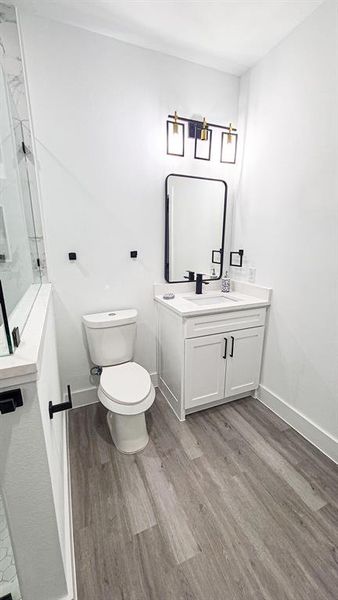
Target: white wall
pixel 287 214
pixel 99 111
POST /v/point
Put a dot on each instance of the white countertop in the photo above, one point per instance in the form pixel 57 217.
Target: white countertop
pixel 242 297
pixel 24 362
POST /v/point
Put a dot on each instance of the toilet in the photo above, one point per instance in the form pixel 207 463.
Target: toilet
pixel 125 387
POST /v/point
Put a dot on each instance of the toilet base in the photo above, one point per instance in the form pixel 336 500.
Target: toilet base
pixel 128 432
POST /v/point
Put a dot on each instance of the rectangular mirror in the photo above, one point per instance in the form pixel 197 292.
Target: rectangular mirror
pixel 194 227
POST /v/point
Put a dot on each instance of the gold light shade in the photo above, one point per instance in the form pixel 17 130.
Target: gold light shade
pixel 175 124
pixel 204 131
pixel 229 134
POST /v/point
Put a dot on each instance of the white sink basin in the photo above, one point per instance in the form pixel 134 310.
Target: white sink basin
pixel 207 300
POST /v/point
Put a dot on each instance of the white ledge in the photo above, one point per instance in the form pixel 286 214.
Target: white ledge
pixel 24 362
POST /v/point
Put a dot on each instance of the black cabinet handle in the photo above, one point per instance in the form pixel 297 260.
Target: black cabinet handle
pixel 9 401
pixel 225 347
pixel 232 346
pixel 62 406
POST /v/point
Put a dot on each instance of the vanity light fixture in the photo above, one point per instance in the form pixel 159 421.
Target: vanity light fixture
pixel 203 138
pixel 175 137
pixel 201 131
pixel 229 146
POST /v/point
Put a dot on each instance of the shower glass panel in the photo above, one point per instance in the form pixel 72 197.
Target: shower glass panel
pixel 8 576
pixel 22 257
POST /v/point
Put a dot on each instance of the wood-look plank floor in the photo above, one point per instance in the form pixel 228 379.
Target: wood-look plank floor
pixel 230 505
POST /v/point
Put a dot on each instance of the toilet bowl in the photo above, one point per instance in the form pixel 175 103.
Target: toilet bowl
pixel 125 387
pixel 127 392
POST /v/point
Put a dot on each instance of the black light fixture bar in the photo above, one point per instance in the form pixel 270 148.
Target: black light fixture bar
pixel 224 127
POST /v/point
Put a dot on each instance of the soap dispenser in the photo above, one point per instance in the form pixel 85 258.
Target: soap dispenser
pixel 225 286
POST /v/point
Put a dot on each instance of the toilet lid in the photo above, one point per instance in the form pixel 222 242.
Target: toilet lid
pixel 128 383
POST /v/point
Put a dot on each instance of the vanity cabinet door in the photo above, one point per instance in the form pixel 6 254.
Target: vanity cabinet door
pixel 243 360
pixel 204 370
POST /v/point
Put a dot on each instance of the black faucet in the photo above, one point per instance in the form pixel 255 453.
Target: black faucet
pixel 199 283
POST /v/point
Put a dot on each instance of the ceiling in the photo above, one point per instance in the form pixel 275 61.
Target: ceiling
pixel 229 35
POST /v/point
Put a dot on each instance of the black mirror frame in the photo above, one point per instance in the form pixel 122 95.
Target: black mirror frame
pixel 166 242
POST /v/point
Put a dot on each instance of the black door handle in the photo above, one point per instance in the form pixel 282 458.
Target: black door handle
pixel 62 406
pixel 225 347
pixel 232 346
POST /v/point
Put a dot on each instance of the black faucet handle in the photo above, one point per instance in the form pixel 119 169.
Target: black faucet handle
pixel 199 276
pixel 190 276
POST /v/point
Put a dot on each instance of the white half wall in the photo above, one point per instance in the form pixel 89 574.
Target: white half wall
pixel 55 433
pixel 287 215
pixel 99 109
pixel 33 469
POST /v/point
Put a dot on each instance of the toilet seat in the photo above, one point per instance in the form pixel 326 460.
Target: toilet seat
pixel 126 389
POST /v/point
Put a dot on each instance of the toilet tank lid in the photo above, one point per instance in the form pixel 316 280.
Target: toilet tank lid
pixel 113 318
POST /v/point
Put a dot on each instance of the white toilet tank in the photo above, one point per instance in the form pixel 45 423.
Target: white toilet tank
pixel 111 336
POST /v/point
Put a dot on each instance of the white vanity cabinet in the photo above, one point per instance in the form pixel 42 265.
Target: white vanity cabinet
pixel 220 366
pixel 207 359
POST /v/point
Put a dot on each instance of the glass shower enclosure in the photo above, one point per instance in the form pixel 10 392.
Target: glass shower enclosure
pixel 22 256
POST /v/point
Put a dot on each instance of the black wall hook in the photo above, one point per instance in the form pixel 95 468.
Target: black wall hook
pixel 62 406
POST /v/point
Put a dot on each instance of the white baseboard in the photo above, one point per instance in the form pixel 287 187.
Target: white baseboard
pixel 84 397
pixel 324 441
pixel 154 379
pixel 89 395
